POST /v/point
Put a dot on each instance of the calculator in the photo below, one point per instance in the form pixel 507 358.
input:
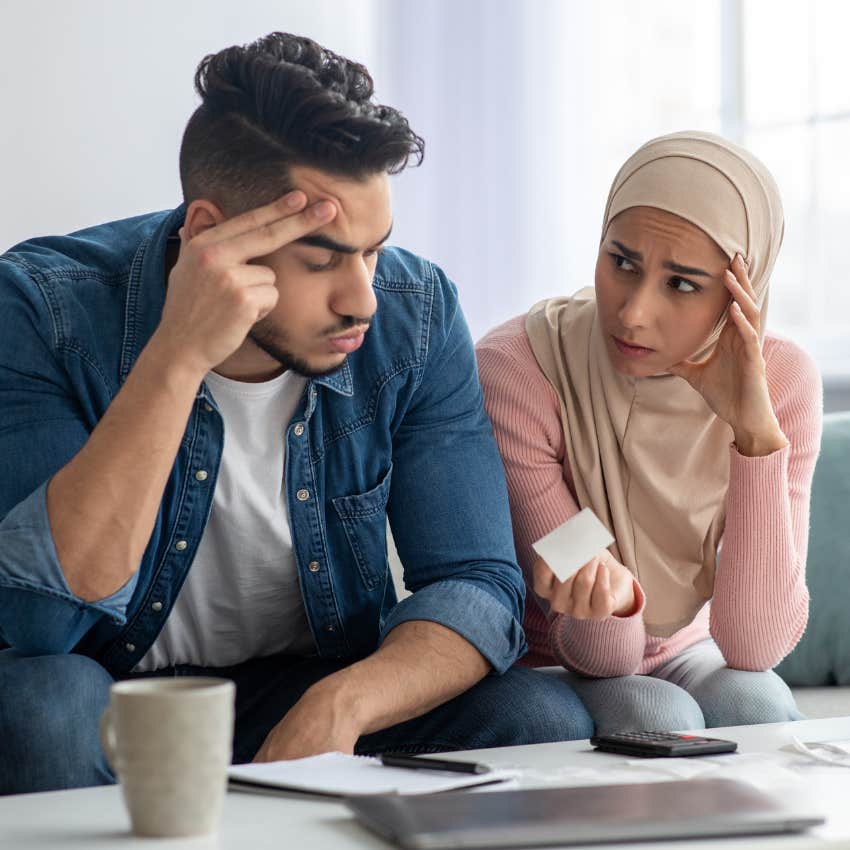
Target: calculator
pixel 655 744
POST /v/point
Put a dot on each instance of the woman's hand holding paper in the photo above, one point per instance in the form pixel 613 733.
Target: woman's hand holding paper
pixel 602 588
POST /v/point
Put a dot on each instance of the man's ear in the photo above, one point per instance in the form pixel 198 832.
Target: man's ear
pixel 200 216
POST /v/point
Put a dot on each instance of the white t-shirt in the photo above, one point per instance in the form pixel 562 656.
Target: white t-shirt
pixel 242 597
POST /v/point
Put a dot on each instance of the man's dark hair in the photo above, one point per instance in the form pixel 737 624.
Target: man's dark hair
pixel 282 101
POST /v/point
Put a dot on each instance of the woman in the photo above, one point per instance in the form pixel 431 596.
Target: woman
pixel 659 402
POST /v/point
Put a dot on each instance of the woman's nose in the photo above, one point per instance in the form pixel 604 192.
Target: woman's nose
pixel 637 309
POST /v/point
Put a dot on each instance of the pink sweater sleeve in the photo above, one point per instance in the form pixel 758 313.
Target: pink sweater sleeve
pixel 760 605
pixel 526 419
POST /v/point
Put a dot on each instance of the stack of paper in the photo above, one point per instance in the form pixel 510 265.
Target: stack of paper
pixel 338 774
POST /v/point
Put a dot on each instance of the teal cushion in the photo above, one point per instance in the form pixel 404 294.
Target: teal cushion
pixel 822 657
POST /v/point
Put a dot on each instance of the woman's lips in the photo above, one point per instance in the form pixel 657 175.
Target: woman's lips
pixel 347 344
pixel 631 350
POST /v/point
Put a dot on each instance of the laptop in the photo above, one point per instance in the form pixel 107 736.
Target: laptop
pixel 695 808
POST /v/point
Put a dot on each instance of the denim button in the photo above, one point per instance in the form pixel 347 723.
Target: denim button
pixel 314 566
pixel 201 475
pixel 207 407
pixel 302 495
pixel 130 647
pixel 330 629
pixel 298 429
pixel 157 606
pixel 180 545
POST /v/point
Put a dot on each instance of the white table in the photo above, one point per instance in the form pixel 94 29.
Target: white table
pixel 95 819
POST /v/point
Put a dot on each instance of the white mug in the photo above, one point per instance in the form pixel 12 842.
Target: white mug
pixel 169 742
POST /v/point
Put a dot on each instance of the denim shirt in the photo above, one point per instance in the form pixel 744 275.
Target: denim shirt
pixel 398 431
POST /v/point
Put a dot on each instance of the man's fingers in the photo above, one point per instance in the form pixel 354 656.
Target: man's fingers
pixel 287 205
pixel 249 291
pixel 268 238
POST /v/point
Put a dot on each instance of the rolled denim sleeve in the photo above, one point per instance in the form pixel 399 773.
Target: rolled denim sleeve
pixel 448 504
pixel 471 612
pixel 42 426
pixel 38 612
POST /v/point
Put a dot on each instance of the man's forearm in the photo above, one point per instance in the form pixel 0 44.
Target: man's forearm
pixel 419 666
pixel 102 504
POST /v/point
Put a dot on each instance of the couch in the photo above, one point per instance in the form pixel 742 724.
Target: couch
pixel 818 669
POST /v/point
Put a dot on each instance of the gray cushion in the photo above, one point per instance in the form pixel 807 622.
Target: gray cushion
pixel 823 655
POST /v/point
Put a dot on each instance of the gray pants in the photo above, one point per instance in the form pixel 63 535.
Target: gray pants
pixel 694 690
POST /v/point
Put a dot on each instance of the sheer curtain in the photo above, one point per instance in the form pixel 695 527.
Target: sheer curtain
pixel 528 109
pixel 490 85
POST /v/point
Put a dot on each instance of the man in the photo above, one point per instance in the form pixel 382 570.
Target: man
pixel 208 414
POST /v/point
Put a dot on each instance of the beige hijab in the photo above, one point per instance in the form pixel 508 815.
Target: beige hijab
pixel 648 455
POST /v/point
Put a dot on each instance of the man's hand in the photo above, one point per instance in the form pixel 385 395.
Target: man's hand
pixel 215 293
pixel 602 588
pixel 320 722
pixel 103 504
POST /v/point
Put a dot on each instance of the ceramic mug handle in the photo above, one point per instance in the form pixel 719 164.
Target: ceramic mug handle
pixel 107 736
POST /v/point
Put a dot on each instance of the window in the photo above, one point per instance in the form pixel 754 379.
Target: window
pixel 794 111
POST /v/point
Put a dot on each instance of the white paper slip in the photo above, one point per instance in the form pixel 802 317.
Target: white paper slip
pixel 829 752
pixel 338 774
pixel 571 545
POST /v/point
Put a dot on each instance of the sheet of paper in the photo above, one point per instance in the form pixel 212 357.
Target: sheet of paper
pixel 828 752
pixel 339 774
pixel 571 545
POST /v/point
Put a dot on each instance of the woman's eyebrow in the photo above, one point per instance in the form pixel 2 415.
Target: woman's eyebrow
pixel 629 254
pixel 689 270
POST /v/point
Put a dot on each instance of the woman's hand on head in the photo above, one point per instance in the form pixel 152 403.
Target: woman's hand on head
pixel 602 588
pixel 733 380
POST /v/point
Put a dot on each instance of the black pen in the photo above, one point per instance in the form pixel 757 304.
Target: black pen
pixel 428 763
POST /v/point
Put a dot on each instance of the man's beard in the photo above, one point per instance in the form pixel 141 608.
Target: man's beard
pixel 273 341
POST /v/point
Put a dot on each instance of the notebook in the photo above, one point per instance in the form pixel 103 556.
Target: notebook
pixel 694 808
pixel 338 774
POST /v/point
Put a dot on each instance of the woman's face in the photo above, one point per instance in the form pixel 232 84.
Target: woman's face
pixel 659 290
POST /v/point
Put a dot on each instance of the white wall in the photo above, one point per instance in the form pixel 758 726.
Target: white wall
pixel 94 96
pixel 527 109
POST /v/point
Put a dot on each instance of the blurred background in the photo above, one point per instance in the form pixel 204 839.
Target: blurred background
pixel 527 108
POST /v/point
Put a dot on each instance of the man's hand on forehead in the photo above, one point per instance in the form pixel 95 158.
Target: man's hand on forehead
pixel 215 293
pixel 263 230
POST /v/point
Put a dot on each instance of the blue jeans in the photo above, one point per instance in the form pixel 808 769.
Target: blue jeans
pixel 50 709
pixel 694 690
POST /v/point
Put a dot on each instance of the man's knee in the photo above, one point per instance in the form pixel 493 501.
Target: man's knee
pixel 531 707
pixel 50 707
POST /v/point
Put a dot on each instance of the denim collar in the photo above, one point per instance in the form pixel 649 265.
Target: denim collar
pixel 146 290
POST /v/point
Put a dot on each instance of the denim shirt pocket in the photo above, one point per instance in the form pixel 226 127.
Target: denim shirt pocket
pixel 364 521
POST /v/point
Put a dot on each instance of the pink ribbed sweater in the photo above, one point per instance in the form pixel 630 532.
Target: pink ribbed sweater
pixel 760 604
